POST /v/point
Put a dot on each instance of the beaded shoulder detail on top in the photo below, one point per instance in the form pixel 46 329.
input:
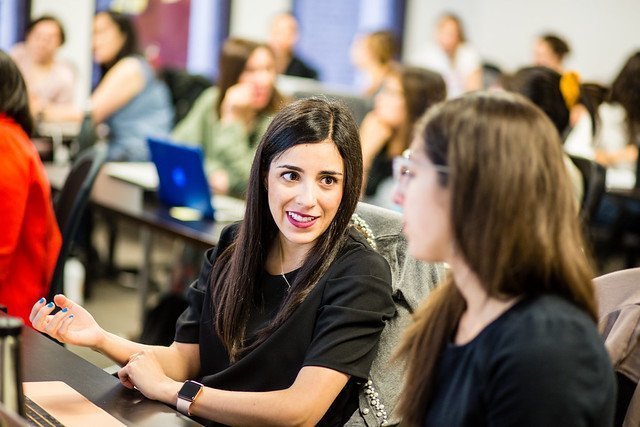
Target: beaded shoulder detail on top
pixel 364 229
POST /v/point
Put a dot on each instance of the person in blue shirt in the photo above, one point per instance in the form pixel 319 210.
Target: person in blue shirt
pixel 129 97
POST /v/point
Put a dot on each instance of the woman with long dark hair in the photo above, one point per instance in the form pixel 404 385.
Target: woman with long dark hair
pixel 510 338
pixel 229 119
pixel 29 235
pixel 285 318
pixel 129 97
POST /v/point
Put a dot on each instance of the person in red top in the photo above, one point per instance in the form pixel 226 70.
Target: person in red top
pixel 29 236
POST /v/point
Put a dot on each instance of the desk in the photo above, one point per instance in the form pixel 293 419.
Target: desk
pixel 44 360
pixel 143 208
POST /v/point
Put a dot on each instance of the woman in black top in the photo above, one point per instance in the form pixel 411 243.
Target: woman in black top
pixel 286 315
pixel 407 92
pixel 510 338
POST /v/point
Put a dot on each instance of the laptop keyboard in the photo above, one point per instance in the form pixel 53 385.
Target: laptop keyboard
pixel 36 416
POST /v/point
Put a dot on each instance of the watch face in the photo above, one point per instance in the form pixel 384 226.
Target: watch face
pixel 189 390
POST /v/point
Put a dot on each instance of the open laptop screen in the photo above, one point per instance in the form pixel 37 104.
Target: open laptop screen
pixel 182 180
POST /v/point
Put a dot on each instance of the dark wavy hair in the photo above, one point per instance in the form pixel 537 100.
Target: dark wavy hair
pixel 14 100
pixel 236 273
pixel 625 90
pixel 542 86
pixel 130 45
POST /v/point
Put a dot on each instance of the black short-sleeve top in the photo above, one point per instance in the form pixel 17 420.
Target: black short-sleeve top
pixel 337 326
pixel 541 363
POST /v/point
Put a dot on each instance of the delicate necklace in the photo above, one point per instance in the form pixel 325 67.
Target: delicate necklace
pixel 282 269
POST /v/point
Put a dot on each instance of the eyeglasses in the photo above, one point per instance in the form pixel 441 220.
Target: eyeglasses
pixel 402 167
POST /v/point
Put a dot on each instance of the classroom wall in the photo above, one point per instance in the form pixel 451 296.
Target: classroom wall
pixel 77 18
pixel 251 18
pixel 602 33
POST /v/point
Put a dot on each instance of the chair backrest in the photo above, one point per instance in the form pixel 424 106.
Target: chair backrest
pixel 185 88
pixel 594 179
pixel 358 105
pixel 618 296
pixel 412 281
pixel 70 204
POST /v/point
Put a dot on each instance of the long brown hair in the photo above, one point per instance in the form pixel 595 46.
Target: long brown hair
pixel 233 59
pixel 235 275
pixel 421 89
pixel 512 217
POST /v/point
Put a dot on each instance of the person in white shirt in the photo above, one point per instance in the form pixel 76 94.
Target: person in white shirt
pixel 453 57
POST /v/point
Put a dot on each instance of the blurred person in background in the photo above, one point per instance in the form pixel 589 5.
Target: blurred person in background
pixel 50 81
pixel 407 92
pixel 229 119
pixel 453 57
pixel 283 37
pixel 29 236
pixel 550 51
pixel 544 87
pixel 129 98
pixel 373 54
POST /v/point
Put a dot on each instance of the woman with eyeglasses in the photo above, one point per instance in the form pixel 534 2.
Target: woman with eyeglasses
pixel 284 320
pixel 509 339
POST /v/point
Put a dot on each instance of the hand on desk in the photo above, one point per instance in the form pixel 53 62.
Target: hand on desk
pixel 72 324
pixel 145 373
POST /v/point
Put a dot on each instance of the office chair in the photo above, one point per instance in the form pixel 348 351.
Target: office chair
pixel 412 281
pixel 358 105
pixel 594 177
pixel 70 204
pixel 618 296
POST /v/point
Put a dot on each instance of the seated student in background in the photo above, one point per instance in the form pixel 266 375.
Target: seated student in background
pixel 49 80
pixel 129 98
pixel 407 92
pixel 550 51
pixel 544 87
pixel 373 54
pixel 615 143
pixel 29 235
pixel 453 57
pixel 510 338
pixel 283 37
pixel 285 317
pixel 229 119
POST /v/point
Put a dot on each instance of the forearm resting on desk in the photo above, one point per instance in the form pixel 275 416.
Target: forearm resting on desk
pixel 178 361
pixel 304 403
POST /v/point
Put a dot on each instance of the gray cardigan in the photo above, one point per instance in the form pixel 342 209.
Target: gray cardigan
pixel 412 281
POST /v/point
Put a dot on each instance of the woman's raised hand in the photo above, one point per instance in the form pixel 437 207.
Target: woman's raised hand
pixel 72 324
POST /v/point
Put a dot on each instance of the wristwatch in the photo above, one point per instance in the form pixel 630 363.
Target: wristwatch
pixel 187 395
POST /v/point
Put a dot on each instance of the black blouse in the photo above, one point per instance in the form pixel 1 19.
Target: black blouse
pixel 541 363
pixel 337 326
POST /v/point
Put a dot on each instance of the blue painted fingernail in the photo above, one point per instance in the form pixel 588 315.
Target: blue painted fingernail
pixel 71 317
pixel 50 304
pixel 64 310
pixel 41 300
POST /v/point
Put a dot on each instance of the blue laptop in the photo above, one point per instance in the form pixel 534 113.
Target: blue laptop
pixel 182 180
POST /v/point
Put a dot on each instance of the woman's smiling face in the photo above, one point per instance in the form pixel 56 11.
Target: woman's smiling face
pixel 305 185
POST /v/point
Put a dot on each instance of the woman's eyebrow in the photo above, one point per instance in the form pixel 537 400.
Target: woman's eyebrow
pixel 299 169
